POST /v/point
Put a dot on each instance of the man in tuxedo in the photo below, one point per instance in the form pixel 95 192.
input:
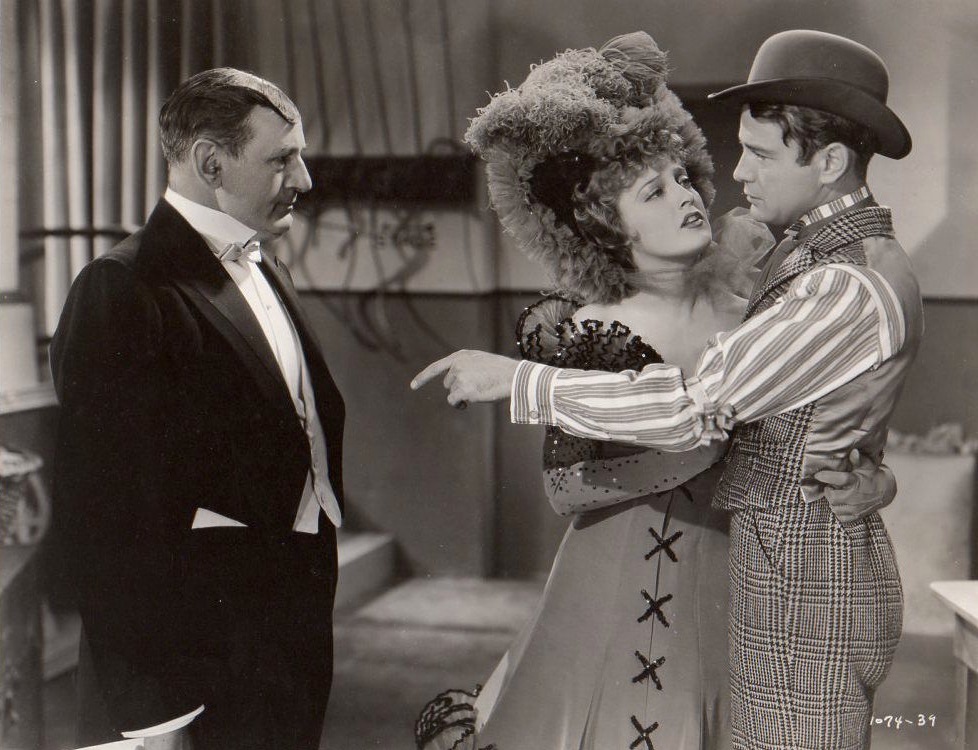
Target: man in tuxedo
pixel 199 454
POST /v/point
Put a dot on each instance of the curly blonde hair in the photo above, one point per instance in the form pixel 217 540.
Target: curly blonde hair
pixel 561 147
pixel 596 202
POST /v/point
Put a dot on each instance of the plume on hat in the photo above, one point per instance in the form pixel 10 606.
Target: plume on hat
pixel 574 109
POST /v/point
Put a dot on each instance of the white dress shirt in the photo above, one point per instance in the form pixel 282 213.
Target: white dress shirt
pixel 219 230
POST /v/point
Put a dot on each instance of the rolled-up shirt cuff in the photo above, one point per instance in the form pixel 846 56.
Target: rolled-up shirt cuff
pixel 713 422
pixel 168 726
pixel 531 395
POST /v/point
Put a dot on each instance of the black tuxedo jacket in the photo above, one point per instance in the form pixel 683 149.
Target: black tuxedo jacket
pixel 172 400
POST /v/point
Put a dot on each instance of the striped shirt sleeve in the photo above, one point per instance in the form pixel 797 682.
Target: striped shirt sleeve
pixel 834 323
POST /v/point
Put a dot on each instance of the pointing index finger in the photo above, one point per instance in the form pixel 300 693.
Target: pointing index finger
pixel 432 371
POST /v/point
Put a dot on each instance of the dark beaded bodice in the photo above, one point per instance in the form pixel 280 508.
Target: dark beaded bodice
pixel 547 333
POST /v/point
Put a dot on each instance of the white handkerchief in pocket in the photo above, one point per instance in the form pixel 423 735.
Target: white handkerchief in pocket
pixel 207 519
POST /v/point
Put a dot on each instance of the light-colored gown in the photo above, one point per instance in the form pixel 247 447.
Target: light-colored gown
pixel 628 645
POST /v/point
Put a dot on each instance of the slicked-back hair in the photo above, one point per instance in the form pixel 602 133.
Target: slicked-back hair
pixel 813 129
pixel 216 104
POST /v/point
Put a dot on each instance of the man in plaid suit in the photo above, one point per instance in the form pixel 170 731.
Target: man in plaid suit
pixel 813 372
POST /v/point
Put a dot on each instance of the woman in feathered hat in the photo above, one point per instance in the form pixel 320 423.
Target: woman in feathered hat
pixel 601 175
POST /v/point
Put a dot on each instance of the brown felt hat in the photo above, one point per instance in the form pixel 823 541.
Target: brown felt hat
pixel 827 72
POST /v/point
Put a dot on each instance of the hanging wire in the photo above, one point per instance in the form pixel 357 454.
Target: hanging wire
pixel 338 312
pixel 408 268
pixel 345 311
pixel 379 323
pixel 354 316
pixel 382 329
pixel 367 315
pixel 348 249
pixel 299 255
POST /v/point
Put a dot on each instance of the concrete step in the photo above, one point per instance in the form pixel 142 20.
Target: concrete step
pixel 366 563
pixel 366 566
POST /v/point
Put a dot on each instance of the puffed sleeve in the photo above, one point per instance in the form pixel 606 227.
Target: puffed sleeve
pixel 581 474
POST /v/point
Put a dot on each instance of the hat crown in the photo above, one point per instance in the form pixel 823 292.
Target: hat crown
pixel 826 72
pixel 804 54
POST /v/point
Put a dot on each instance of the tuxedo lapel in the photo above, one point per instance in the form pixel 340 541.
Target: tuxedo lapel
pixel 329 401
pixel 281 281
pixel 278 276
pixel 177 252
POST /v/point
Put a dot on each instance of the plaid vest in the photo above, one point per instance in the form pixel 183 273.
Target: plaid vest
pixel 764 462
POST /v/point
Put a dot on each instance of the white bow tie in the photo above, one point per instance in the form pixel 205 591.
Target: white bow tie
pixel 235 251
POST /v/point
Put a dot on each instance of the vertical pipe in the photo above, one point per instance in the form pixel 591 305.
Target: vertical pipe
pixel 446 49
pixel 351 103
pixel 105 121
pixel 133 161
pixel 218 47
pixel 155 171
pixel 412 76
pixel 56 269
pixel 10 52
pixel 76 132
pixel 385 128
pixel 319 77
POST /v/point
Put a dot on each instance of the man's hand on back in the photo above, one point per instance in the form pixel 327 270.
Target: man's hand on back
pixel 858 493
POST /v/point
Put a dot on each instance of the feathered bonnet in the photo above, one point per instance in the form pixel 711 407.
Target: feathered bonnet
pixel 569 117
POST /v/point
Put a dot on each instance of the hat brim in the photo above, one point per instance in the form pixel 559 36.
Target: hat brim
pixel 829 96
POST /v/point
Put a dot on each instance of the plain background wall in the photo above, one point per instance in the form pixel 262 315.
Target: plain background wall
pixel 413 466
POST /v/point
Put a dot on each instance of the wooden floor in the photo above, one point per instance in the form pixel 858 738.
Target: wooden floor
pixel 402 648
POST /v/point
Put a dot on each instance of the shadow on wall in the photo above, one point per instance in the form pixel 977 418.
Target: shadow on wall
pixel 460 490
pixel 413 466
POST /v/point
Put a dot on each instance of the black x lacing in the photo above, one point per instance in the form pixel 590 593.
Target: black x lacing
pixel 643 734
pixel 655 608
pixel 663 545
pixel 648 670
